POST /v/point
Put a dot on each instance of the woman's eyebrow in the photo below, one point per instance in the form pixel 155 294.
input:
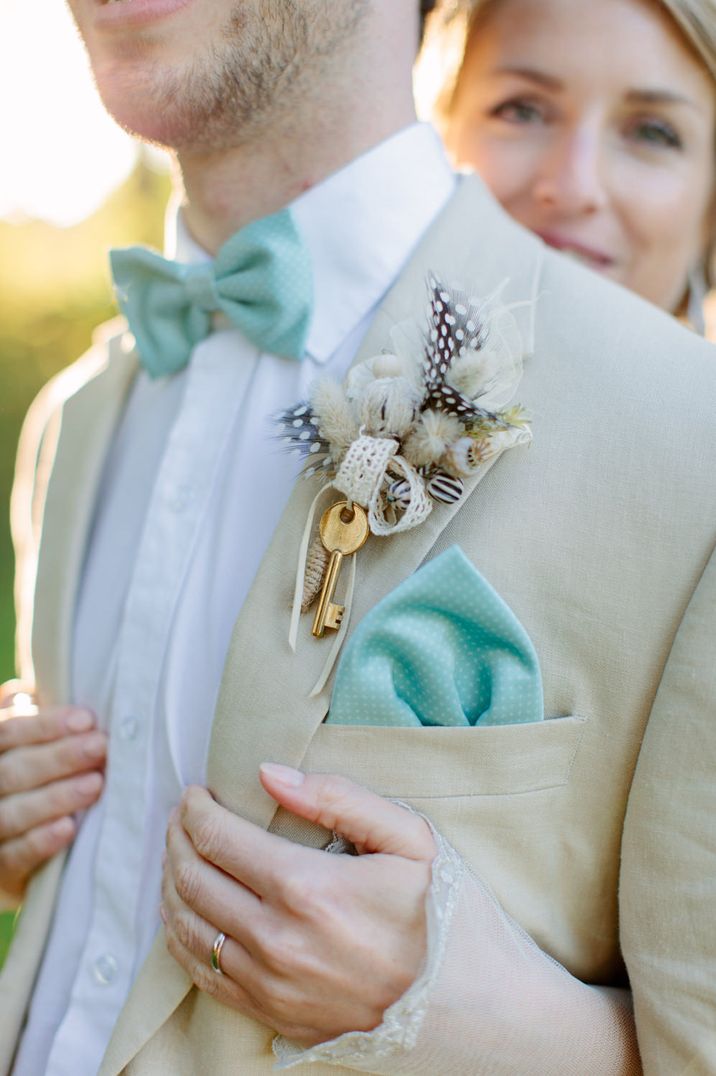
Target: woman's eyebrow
pixel 533 74
pixel 650 96
pixel 657 96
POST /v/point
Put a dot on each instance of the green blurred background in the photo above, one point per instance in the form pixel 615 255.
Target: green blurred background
pixel 54 289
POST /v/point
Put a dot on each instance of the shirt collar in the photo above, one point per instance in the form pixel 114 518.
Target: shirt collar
pixel 360 225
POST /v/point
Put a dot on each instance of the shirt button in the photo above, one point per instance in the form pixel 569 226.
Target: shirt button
pixel 180 498
pixel 129 729
pixel 105 968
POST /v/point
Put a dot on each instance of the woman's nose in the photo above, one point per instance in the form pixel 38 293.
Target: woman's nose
pixel 570 178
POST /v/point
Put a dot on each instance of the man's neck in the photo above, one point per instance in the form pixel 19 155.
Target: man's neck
pixel 223 192
pixel 224 189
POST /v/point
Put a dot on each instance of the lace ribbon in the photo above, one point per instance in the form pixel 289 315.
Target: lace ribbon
pixel 362 476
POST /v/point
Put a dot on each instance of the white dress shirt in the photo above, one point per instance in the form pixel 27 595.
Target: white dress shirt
pixel 194 486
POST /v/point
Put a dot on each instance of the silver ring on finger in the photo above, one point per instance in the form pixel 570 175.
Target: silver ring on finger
pixel 216 948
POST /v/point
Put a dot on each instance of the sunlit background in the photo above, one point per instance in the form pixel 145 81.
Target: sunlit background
pixel 72 184
pixel 62 153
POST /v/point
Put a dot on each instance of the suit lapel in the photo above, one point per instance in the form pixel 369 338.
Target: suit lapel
pixel 88 420
pixel 264 710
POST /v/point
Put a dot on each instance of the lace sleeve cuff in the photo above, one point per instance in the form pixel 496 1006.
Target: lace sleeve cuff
pixel 363 1050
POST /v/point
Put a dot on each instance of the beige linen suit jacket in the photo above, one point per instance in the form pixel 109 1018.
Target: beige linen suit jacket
pixel 595 828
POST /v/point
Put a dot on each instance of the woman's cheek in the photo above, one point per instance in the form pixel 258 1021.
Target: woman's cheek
pixel 660 222
pixel 509 168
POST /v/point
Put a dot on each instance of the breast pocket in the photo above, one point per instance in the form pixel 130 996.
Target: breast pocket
pixel 446 762
pixel 502 794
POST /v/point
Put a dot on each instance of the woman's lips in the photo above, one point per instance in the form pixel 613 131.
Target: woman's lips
pixel 591 256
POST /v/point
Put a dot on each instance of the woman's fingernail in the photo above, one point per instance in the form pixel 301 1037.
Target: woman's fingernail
pixel 79 721
pixel 284 775
pixel 162 913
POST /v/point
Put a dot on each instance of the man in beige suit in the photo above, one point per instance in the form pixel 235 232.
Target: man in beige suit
pixel 570 870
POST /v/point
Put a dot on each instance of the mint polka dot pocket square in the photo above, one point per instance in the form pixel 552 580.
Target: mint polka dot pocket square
pixel 443 648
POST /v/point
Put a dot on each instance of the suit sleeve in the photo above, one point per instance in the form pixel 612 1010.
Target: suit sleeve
pixel 489 1002
pixel 34 455
pixel 668 874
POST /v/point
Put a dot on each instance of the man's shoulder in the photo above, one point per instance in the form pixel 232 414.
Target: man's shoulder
pixel 110 344
pixel 569 296
pixel 576 302
pixel 111 349
pixel 589 333
pixel 615 385
pixel 632 367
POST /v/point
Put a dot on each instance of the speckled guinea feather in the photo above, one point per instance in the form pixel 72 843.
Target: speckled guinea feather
pixel 456 328
pixel 299 435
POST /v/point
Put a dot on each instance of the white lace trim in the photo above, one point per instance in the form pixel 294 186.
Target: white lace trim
pixel 419 505
pixel 401 1023
pixel 363 473
pixel 363 467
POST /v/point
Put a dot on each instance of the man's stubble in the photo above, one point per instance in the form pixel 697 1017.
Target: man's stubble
pixel 267 68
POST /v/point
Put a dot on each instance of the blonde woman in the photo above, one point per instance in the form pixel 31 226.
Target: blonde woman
pixel 593 124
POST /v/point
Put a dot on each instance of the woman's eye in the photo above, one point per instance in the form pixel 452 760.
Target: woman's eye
pixel 655 133
pixel 518 110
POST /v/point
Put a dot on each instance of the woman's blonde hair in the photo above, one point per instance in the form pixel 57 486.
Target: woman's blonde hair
pixel 697 21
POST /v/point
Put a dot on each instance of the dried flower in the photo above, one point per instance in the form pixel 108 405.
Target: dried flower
pixel 466 455
pixel 334 415
pixel 389 407
pixel 431 436
pixel 516 416
pixel 381 366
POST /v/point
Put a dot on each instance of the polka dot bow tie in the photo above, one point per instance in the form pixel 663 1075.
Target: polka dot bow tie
pixel 260 279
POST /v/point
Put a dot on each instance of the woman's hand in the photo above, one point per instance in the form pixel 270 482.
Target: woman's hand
pixel 51 766
pixel 316 944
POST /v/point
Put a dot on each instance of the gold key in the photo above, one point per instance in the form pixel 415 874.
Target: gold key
pixel 343 531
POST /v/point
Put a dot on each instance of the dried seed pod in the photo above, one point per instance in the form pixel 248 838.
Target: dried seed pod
pixel 467 454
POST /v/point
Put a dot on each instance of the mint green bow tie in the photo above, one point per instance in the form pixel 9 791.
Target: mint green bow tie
pixel 260 279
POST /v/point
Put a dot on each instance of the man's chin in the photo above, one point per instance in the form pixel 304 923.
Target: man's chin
pixel 144 109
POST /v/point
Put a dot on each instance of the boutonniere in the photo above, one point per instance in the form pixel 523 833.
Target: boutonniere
pixel 402 435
